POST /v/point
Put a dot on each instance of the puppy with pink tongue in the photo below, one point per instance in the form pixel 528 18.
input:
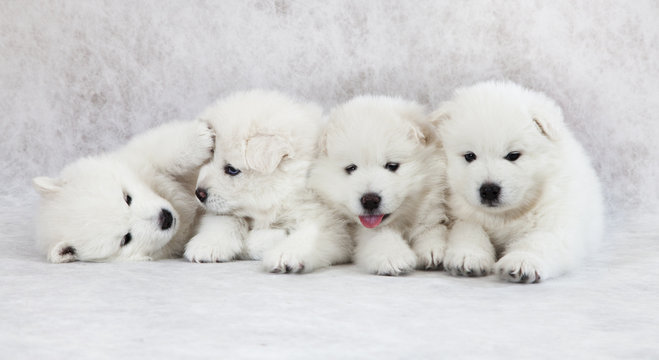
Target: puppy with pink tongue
pixel 382 167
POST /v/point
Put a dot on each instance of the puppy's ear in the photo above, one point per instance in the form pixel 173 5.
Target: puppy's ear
pixel 322 142
pixel 420 130
pixel 62 252
pixel 46 186
pixel 437 117
pixel 547 116
pixel 263 153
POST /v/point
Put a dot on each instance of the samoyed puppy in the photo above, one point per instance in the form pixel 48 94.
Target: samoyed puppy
pixel 266 142
pixel 381 166
pixel 136 203
pixel 522 188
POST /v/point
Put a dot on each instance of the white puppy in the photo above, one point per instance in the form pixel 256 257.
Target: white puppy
pixel 266 142
pixel 381 166
pixel 519 181
pixel 136 203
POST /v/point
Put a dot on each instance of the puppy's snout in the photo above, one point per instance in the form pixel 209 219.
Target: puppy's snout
pixel 165 219
pixel 370 201
pixel 202 194
pixel 490 193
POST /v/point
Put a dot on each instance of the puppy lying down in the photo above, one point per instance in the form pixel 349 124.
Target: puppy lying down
pixel 522 188
pixel 255 188
pixel 136 203
pixel 381 167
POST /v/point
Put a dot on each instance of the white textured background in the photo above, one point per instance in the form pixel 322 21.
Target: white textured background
pixel 80 77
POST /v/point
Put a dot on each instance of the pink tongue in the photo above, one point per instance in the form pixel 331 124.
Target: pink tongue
pixel 371 221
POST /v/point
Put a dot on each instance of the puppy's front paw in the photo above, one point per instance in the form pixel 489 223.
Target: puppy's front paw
pixel 519 267
pixel 210 247
pixel 391 260
pixel 430 254
pixel 282 260
pixel 468 262
pixel 203 144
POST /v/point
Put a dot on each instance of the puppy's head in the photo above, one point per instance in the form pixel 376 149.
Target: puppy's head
pixel 264 145
pixel 372 156
pixel 98 210
pixel 501 143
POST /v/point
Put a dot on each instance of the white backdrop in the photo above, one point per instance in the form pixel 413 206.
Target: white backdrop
pixel 80 77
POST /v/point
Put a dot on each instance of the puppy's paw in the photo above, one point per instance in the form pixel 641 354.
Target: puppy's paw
pixel 468 262
pixel 283 260
pixel 430 254
pixel 203 143
pixel 207 247
pixel 391 260
pixel 519 267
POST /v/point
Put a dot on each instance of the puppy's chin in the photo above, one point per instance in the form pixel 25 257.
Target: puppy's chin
pixel 496 208
pixel 218 208
pixel 219 211
pixel 501 209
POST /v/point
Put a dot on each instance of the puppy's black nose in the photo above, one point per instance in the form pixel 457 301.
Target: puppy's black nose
pixel 165 219
pixel 202 194
pixel 370 201
pixel 490 193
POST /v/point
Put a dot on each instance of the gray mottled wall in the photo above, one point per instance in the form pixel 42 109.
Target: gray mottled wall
pixel 80 77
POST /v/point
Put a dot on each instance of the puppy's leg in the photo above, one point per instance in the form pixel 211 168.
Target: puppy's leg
pixel 177 148
pixel 309 247
pixel 260 241
pixel 469 251
pixel 430 247
pixel 537 256
pixel 384 252
pixel 220 238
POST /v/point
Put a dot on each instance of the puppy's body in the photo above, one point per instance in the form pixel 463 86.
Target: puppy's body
pixel 266 143
pixel 521 185
pixel 136 203
pixel 382 168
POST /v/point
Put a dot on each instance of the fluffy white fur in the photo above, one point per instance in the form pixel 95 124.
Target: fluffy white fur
pixel 89 210
pixel 256 182
pixel 549 210
pixel 362 137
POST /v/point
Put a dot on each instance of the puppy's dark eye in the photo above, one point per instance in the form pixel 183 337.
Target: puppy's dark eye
pixel 350 168
pixel 126 239
pixel 392 166
pixel 470 156
pixel 230 170
pixel 128 199
pixel 513 155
